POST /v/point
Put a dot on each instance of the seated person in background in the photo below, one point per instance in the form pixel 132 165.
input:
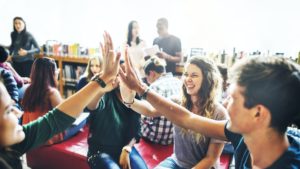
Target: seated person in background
pixel 223 70
pixel 158 129
pixel 114 128
pixel 93 67
pixel 10 85
pixel 201 87
pixel 264 101
pixel 16 140
pixel 42 94
pixel 3 57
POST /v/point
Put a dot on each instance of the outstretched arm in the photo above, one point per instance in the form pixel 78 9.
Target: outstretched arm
pixel 175 113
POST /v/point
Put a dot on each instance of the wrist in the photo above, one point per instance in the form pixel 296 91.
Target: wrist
pixel 105 79
pixel 127 149
pixel 141 89
pixel 144 94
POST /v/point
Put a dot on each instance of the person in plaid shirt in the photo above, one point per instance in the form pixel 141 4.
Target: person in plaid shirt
pixel 158 129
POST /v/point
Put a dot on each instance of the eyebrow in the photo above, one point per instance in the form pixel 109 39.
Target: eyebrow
pixel 9 105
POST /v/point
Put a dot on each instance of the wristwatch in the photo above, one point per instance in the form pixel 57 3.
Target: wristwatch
pixel 99 81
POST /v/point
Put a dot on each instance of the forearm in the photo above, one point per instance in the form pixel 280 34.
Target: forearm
pixel 32 51
pixel 206 162
pixel 74 105
pixel 95 101
pixel 184 118
pixel 176 58
pixel 144 108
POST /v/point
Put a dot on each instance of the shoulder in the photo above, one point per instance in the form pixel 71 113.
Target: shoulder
pixel 173 37
pixel 53 92
pixel 220 113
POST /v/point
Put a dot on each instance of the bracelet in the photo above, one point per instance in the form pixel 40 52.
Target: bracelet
pixel 128 104
pixel 144 95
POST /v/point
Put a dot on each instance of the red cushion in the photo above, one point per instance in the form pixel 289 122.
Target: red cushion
pixel 153 154
pixel 68 154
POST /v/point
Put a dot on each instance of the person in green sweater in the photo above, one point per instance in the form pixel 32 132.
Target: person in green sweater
pixel 113 129
pixel 15 140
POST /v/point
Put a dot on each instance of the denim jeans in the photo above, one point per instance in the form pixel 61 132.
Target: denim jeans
pixel 168 163
pixel 105 161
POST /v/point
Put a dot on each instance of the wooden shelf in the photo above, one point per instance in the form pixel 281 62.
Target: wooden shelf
pixel 61 60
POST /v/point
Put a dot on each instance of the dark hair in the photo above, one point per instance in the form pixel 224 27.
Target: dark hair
pixel 223 70
pixel 21 19
pixel 3 54
pixel 129 34
pixel 163 21
pixel 42 78
pixel 273 82
pixel 210 87
pixel 154 64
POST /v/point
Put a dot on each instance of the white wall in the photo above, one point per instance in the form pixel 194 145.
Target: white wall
pixel 212 24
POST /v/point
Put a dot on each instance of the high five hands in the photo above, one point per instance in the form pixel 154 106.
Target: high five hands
pixel 129 77
pixel 111 62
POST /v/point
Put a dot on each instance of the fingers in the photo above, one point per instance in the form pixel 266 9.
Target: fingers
pixel 122 75
pixel 127 60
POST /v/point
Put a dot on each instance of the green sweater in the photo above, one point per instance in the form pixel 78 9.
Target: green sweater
pixel 112 126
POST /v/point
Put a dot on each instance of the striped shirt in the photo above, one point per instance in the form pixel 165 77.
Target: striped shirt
pixel 10 84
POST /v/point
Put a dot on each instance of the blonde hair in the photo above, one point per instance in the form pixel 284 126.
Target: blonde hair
pixel 88 73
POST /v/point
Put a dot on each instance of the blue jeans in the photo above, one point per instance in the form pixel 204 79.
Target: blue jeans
pixel 105 161
pixel 136 161
pixel 168 163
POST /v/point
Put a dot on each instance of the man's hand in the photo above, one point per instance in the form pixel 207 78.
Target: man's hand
pixel 162 55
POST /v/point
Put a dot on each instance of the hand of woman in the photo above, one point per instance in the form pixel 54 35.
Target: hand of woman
pixel 110 60
pixel 124 159
pixel 129 76
pixel 22 52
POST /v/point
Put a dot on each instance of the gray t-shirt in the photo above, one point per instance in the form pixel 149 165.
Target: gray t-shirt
pixel 187 151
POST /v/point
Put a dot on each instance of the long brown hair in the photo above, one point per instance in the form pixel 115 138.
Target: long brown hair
pixel 42 77
pixel 209 91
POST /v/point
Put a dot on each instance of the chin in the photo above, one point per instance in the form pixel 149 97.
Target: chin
pixel 232 128
pixel 20 137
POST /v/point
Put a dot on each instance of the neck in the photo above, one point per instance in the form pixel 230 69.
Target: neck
pixel 134 39
pixel 264 141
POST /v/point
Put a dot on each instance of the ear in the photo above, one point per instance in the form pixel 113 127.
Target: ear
pixel 262 115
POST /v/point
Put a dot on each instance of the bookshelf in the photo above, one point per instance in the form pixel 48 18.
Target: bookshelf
pixel 64 63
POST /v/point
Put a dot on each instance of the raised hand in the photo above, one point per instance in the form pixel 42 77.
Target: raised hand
pixel 129 77
pixel 110 60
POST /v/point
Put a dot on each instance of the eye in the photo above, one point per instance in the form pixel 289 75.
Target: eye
pixel 185 74
pixel 194 75
pixel 9 110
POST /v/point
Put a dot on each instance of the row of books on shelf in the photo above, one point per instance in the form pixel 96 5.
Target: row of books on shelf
pixel 72 74
pixel 75 50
